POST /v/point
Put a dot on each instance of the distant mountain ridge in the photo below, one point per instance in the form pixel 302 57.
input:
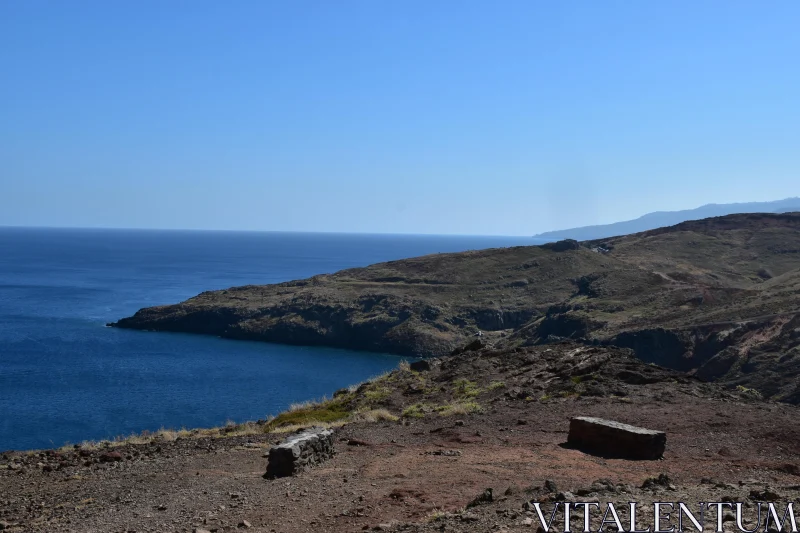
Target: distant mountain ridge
pixel 660 219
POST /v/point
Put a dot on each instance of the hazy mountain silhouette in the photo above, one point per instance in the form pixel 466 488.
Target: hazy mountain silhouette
pixel 660 219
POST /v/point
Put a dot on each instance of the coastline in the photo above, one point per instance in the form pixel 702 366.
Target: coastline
pixel 656 293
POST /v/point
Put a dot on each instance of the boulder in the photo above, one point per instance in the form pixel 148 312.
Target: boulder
pixel 302 450
pixel 615 439
pixel 474 346
pixel 420 366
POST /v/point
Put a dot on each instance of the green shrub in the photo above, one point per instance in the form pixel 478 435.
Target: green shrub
pixel 414 411
pixel 465 388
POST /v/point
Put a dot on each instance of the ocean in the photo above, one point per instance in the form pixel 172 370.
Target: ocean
pixel 66 378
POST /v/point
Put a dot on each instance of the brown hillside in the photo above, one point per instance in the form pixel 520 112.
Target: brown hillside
pixel 719 296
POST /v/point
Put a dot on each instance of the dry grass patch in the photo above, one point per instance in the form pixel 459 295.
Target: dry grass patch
pixel 291 428
pixel 374 415
pixel 459 408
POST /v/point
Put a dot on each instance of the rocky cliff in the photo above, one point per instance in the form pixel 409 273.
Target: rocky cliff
pixel 716 297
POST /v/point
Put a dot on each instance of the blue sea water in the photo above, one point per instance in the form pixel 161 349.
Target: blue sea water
pixel 65 377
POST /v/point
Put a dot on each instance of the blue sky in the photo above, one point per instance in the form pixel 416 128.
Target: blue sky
pixel 506 118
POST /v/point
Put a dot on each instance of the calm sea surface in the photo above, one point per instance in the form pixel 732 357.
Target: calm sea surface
pixel 65 378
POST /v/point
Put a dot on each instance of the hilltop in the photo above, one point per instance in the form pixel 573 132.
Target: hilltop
pixel 716 296
pixel 668 218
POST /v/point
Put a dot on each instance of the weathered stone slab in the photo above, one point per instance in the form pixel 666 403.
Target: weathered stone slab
pixel 302 450
pixel 615 439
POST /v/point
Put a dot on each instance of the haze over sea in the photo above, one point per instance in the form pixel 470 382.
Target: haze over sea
pixel 66 378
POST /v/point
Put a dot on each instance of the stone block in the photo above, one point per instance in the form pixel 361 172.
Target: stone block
pixel 300 451
pixel 615 439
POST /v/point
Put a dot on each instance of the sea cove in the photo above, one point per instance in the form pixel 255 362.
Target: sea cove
pixel 65 377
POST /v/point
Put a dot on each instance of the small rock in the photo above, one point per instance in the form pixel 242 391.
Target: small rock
pixel 110 457
pixel 728 517
pixel 485 497
pixel 550 486
pixel 235 495
pixel 199 530
pixel 445 453
pixel 459 422
pixel 662 480
pixel 244 524
pixel 521 422
pixel 766 495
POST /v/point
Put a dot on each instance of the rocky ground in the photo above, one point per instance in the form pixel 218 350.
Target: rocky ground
pixel 484 419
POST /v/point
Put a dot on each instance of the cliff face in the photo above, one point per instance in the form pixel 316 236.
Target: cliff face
pixel 718 297
pixel 420 306
pixel 384 324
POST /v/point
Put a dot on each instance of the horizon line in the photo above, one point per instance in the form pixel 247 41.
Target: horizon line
pixel 118 228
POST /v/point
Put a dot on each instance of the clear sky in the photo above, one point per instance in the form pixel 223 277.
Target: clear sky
pixel 509 117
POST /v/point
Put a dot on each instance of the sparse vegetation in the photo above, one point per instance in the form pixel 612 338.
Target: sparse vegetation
pixel 494 385
pixel 416 410
pixel 375 393
pixel 749 392
pixel 464 388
